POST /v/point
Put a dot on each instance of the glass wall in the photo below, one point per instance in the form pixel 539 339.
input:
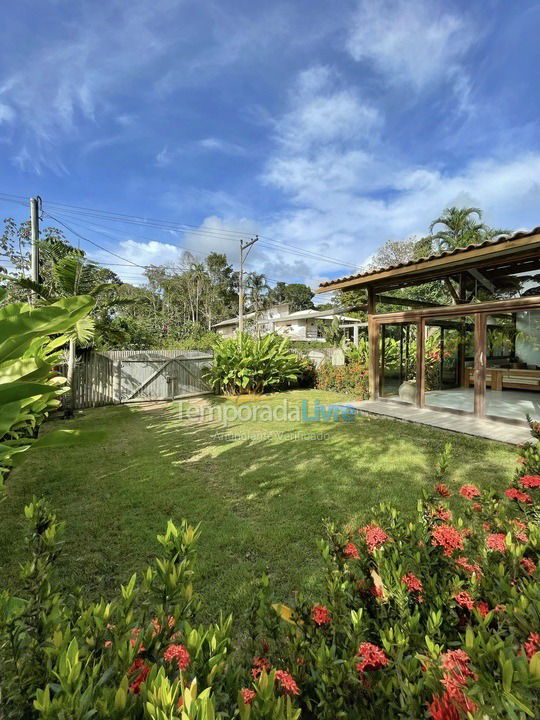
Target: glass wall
pixel 397 361
pixel 449 363
pixel 513 365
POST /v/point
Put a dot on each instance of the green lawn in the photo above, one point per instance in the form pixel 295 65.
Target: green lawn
pixel 260 496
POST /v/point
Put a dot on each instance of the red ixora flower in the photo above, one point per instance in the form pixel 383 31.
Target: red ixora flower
pixel 375 536
pixel 496 541
pixel 260 664
pixel 351 551
pixel 248 695
pixel 448 538
pixel 477 507
pixel 453 703
pixel 464 599
pixel 468 566
pixel 320 615
pixel 442 513
pixel 142 670
pixel 179 654
pixel 518 496
pixel 532 645
pixel 371 657
pixel 522 537
pixel 442 490
pixel 413 584
pixel 530 481
pixel 483 608
pixel 528 565
pixel 469 491
pixel 287 683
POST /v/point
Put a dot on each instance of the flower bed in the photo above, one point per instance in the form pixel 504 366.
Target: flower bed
pixel 437 618
pixel 352 378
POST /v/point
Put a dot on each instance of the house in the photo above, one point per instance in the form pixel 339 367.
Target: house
pixel 479 356
pixel 299 325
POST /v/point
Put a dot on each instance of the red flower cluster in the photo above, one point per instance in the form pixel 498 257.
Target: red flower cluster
pixel 351 551
pixel 469 491
pixel 320 615
pixel 442 513
pixel 371 657
pixel 522 537
pixel 179 654
pixel 248 695
pixel 413 584
pixel 375 536
pixel 453 703
pixel 530 481
pixel 260 664
pixel 287 683
pixel 468 566
pixel 518 496
pixel 496 541
pixel 464 599
pixel 528 565
pixel 442 490
pixel 532 645
pixel 448 538
pixel 141 670
pixel 483 608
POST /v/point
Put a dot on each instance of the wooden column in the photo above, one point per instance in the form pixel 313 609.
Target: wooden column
pixel 420 363
pixel 373 337
pixel 480 324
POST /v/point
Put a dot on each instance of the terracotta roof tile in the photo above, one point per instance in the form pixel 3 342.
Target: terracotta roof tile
pixel 495 241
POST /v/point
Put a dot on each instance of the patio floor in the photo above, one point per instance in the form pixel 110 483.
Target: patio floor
pixel 467 424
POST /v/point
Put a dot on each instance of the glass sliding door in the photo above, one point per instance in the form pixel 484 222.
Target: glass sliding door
pixel 449 348
pixel 513 365
pixel 397 361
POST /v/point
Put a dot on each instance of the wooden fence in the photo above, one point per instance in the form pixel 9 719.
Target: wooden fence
pixel 121 376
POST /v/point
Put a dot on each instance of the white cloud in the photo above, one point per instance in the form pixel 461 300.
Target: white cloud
pixel 418 42
pixel 213 144
pixel 7 114
pixel 348 192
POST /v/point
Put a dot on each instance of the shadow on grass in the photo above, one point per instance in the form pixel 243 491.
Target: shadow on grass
pixel 261 500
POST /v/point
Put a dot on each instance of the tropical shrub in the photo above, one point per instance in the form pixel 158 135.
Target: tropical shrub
pixel 351 378
pixel 436 618
pixel 246 364
pixel 31 339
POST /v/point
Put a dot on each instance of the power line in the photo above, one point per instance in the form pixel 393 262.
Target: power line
pixel 104 232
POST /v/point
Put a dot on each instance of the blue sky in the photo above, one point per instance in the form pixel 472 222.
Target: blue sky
pixel 330 127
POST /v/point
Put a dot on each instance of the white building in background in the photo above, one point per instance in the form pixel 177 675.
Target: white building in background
pixel 300 325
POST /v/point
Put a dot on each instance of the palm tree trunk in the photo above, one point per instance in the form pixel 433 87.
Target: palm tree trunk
pixel 69 396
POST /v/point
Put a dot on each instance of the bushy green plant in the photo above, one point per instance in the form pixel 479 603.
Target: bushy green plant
pixel 436 618
pixel 352 378
pixel 31 339
pixel 246 364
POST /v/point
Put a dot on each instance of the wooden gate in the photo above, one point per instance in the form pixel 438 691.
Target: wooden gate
pixel 122 376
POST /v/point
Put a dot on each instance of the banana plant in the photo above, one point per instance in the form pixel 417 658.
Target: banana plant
pixel 31 339
pixel 73 275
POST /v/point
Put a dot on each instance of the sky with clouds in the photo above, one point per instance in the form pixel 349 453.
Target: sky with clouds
pixel 323 127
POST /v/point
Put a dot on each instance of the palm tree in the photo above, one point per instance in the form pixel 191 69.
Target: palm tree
pixel 461 227
pixel 257 288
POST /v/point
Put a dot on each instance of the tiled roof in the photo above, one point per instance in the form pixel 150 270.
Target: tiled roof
pixel 456 251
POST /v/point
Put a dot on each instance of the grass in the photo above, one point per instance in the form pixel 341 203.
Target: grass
pixel 260 495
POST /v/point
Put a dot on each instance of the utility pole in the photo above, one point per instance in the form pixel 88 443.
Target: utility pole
pixel 34 224
pixel 243 247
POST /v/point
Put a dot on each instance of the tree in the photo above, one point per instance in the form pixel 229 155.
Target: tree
pixel 297 295
pixel 257 289
pixel 393 252
pixel 460 227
